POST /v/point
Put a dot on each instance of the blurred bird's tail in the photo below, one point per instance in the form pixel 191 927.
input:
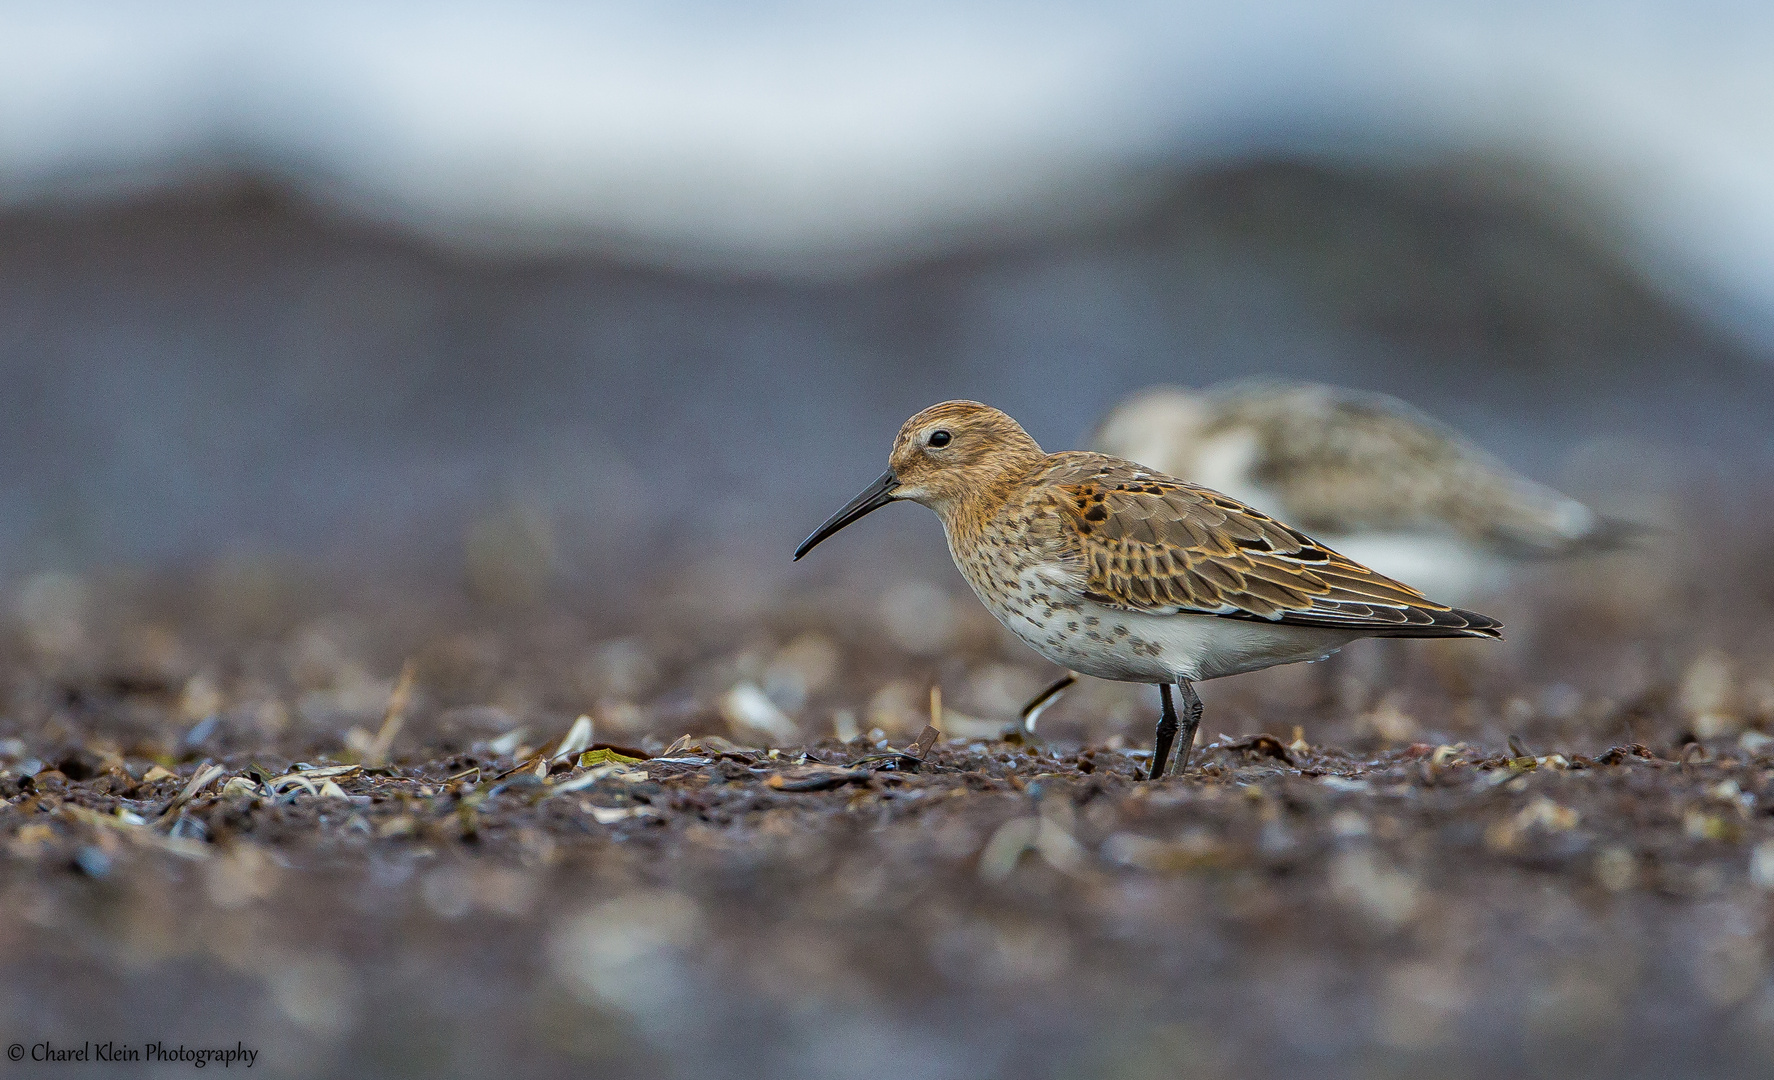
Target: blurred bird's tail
pixel 1617 534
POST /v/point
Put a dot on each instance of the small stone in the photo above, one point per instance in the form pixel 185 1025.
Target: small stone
pixel 1616 869
pixel 1761 865
pixel 92 862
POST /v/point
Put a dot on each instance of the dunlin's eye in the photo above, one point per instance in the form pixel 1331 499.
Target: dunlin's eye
pixel 938 438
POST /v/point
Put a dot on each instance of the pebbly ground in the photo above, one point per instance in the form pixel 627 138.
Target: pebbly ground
pixel 230 819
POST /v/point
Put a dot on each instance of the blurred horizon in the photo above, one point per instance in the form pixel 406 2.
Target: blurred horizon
pixel 809 142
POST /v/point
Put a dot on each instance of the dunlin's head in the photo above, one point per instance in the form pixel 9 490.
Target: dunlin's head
pixel 943 457
pixel 958 448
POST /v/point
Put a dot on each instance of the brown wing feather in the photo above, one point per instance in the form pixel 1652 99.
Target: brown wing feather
pixel 1150 542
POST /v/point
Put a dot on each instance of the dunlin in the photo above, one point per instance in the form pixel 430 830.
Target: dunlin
pixel 1112 569
pixel 1365 473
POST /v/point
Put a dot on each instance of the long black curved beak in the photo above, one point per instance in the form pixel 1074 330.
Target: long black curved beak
pixel 872 498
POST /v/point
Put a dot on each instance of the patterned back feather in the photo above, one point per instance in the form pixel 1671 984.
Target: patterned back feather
pixel 1148 542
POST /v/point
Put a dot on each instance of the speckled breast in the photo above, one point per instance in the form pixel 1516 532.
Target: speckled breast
pixel 1069 631
pixel 1020 589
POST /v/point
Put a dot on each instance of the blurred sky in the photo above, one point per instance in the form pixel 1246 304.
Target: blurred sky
pixel 634 261
pixel 802 136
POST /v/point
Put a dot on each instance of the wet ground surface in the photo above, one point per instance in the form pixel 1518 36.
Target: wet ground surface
pixel 331 820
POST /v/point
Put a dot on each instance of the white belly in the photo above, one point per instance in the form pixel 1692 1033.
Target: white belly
pixel 1131 646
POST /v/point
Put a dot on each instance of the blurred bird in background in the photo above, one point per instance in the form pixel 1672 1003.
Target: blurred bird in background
pixel 1364 473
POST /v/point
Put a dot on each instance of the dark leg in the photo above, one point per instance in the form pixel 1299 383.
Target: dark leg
pixel 1167 733
pixel 1191 721
pixel 1033 710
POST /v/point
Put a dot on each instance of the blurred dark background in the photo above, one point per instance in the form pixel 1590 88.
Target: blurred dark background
pixel 266 286
pixel 226 367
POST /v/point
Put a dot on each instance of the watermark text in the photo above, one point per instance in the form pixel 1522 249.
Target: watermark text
pixel 131 1053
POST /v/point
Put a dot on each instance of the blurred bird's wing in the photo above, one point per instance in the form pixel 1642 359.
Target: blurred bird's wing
pixel 1345 461
pixel 1147 542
